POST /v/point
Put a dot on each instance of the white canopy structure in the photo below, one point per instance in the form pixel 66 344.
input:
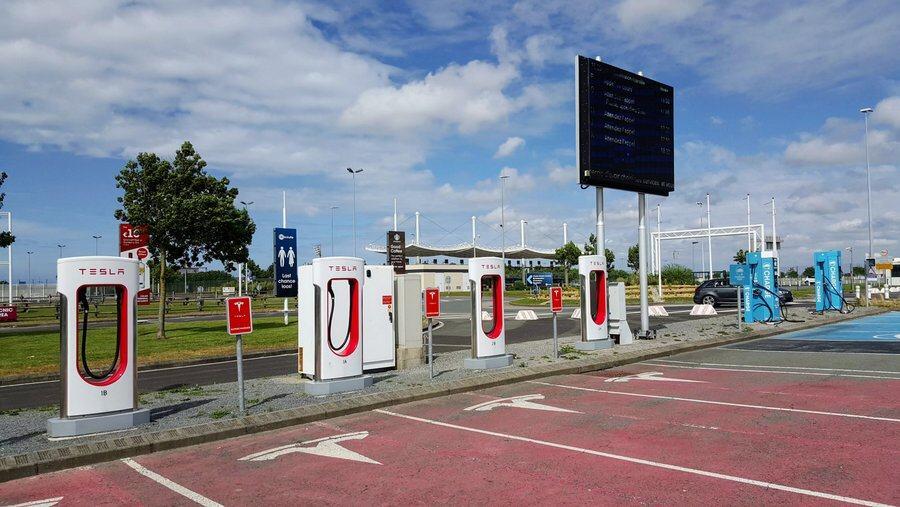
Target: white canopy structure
pixel 471 249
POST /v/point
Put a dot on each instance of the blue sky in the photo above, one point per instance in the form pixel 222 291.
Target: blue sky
pixel 435 100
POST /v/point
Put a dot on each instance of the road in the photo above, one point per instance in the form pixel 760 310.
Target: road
pixel 454 334
pixel 730 425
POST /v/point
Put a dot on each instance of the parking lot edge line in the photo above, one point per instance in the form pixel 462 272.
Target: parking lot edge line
pixel 724 403
pixel 169 484
pixel 815 373
pixel 640 461
pixel 774 367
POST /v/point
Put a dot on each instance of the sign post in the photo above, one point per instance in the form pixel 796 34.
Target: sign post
pixel 555 307
pixel 432 309
pixel 240 322
pixel 134 243
pixel 396 251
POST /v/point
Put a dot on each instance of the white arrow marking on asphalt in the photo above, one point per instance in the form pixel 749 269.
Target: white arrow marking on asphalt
pixel 327 446
pixel 651 375
pixel 50 502
pixel 519 402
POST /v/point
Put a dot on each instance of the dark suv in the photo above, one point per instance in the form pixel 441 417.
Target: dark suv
pixel 719 292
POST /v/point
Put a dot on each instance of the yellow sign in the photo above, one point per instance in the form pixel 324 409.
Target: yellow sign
pixel 882 265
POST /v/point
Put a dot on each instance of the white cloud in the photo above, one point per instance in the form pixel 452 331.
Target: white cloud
pixel 715 120
pixel 562 175
pixel 887 112
pixel 466 96
pixel 509 146
pixel 638 14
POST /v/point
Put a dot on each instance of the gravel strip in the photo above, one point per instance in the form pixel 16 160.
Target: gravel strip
pixel 23 431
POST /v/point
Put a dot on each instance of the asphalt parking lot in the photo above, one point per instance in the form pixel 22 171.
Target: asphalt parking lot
pixel 720 426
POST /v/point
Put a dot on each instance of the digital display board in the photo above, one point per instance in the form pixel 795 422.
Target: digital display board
pixel 625 130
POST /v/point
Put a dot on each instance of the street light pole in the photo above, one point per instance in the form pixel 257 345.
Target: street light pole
pixel 353 173
pixel 749 244
pixel 96 243
pixel 702 259
pixel 332 229
pixel 709 237
pixel 850 249
pixel 61 250
pixel 29 273
pixel 657 255
pixel 242 268
pixel 866 111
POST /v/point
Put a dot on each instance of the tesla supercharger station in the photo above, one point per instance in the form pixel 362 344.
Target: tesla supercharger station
pixel 97 398
pixel 594 308
pixel 330 312
pixel 486 279
pixel 379 349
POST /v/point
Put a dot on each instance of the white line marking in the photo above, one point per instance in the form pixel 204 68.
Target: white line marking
pixel 174 486
pixel 773 367
pixel 518 402
pixel 326 446
pixel 656 376
pixel 49 502
pixel 775 371
pixel 711 402
pixel 639 461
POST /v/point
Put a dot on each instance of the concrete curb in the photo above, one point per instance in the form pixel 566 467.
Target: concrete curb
pixel 49 460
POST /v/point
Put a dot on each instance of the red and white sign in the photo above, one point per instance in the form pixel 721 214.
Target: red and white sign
pixel 555 299
pixel 432 302
pixel 9 313
pixel 387 300
pixel 133 244
pixel 240 316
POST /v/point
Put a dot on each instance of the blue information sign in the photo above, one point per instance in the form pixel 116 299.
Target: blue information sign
pixel 285 241
pixel 539 279
pixel 738 274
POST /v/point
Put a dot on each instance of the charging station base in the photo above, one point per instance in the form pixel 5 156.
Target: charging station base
pixel 341 385
pixel 59 427
pixel 594 344
pixel 487 363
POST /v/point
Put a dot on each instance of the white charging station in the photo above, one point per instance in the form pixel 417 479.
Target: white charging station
pixel 594 307
pixel 486 278
pixel 330 312
pixel 95 399
pixel 379 349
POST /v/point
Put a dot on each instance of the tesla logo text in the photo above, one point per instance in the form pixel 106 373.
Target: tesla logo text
pixel 102 271
pixel 343 268
pixel 490 266
pixel 239 304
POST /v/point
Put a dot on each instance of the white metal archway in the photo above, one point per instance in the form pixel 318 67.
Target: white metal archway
pixel 756 234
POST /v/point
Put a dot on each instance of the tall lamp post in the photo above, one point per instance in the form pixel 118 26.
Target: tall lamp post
pixel 61 250
pixel 850 249
pixel 29 273
pixel 503 179
pixel 702 260
pixel 354 172
pixel 96 243
pixel 242 269
pixel 866 111
pixel 709 237
pixel 332 228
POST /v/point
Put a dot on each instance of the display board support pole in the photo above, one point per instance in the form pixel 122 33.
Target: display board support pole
pixel 284 224
pixel 555 342
pixel 601 240
pixel 430 348
pixel 642 263
pixel 240 373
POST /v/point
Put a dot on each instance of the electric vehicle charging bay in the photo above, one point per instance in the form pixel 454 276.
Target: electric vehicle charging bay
pixel 486 283
pixel 97 398
pixel 878 334
pixel 331 334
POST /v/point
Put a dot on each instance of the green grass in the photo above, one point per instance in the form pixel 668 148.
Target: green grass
pixel 38 352
pixel 37 315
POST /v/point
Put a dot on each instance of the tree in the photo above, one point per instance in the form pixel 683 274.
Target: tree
pixel 6 237
pixel 792 273
pixel 740 257
pixel 634 258
pixel 676 274
pixel 809 272
pixel 859 271
pixel 189 215
pixel 610 259
pixel 567 255
pixel 589 248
